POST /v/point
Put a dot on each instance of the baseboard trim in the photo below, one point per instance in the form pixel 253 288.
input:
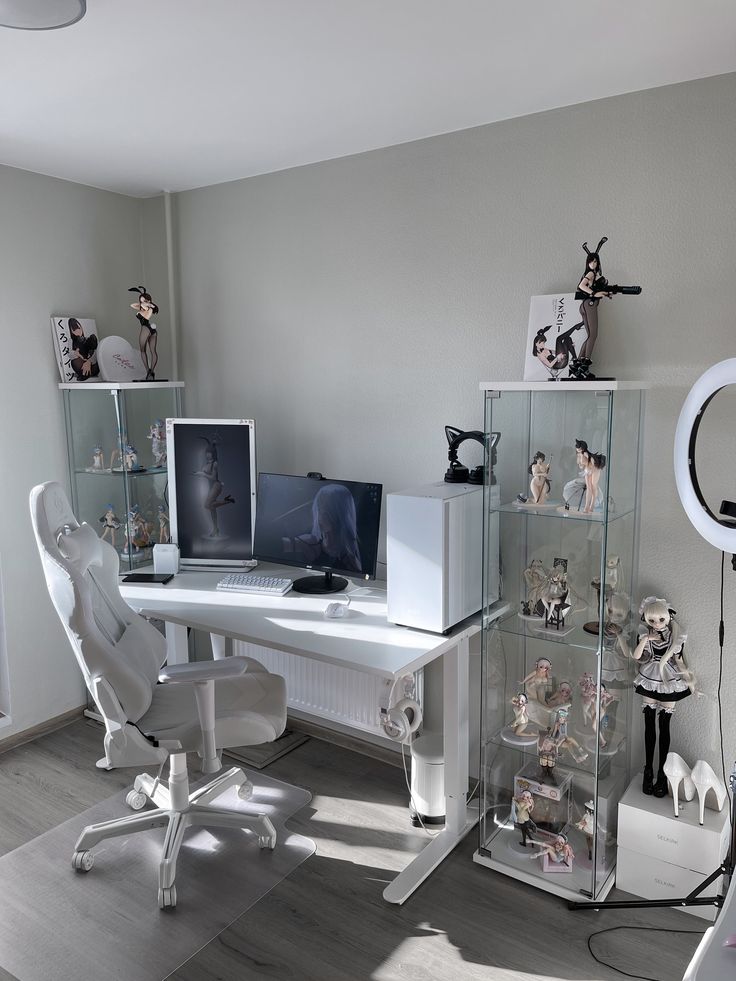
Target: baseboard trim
pixel 353 743
pixel 42 729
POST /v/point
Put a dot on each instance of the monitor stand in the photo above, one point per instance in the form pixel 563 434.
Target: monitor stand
pixel 320 584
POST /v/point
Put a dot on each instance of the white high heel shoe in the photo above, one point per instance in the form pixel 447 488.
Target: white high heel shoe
pixel 705 779
pixel 677 771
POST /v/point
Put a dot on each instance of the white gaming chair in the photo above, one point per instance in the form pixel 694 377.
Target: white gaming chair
pixel 152 715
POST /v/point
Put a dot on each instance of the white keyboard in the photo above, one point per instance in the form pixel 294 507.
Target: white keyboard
pixel 242 582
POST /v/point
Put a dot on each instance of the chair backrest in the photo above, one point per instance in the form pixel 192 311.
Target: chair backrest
pixel 110 640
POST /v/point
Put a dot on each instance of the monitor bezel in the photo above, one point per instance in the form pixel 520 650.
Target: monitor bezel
pixel 347 573
pixel 192 561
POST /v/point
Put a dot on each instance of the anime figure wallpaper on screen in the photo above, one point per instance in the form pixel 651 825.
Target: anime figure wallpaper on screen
pixel 319 524
pixel 213 491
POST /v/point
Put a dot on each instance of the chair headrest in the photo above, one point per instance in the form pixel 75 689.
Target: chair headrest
pixel 58 531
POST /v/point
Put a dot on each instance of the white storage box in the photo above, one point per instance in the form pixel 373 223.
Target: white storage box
pixel 648 826
pixel 652 878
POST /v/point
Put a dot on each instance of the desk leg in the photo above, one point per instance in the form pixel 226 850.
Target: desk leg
pixel 221 646
pixel 459 817
pixel 177 644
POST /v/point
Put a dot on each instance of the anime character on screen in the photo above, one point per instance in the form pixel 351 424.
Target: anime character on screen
pixel 333 540
pixel 210 471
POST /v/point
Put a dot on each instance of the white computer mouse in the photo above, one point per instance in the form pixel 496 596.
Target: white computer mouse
pixel 336 610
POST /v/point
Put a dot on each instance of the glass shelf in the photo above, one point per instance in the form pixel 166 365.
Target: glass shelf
pixel 558 512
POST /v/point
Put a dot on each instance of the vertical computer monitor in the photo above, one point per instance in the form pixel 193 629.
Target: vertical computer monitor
pixel 315 523
pixel 212 489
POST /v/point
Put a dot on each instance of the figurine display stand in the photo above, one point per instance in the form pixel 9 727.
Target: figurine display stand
pixel 511 738
pixel 550 566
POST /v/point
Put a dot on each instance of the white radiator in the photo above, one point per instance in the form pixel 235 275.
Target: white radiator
pixel 323 691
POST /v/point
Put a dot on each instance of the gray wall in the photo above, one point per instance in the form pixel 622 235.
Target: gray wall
pixel 352 307
pixel 64 249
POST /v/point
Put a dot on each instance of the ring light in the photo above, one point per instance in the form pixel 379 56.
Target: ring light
pixel 720 533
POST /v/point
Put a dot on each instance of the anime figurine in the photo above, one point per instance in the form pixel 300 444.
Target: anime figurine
pixel 588 693
pixel 615 614
pixel 594 464
pixel 145 308
pixel 593 286
pixel 521 716
pixel 164 536
pixel 573 493
pixel 554 598
pixel 137 531
pixel 539 681
pixel 521 809
pixel 535 576
pixel 562 737
pixel 98 459
pixel 539 486
pixel 110 524
pixel 562 696
pixel 547 755
pixel 84 352
pixel 662 680
pixel 601 718
pixel 130 458
pixel 557 854
pixel 157 435
pixel 586 824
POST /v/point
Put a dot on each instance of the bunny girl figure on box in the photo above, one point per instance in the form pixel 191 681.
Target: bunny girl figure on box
pixel 662 680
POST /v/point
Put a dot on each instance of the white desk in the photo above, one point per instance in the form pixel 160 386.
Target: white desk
pixel 364 641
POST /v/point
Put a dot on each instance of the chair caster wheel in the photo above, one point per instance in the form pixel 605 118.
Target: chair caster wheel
pixel 245 790
pixel 167 898
pixel 136 800
pixel 83 861
pixel 267 841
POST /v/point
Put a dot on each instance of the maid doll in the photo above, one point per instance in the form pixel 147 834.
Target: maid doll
pixel 662 680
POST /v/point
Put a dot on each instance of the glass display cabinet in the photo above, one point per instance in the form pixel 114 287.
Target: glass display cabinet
pixel 116 443
pixel 561 503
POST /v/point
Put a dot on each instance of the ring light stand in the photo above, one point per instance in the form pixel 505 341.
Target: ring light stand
pixel 721 533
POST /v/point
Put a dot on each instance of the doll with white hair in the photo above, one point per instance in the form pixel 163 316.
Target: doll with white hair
pixel 663 680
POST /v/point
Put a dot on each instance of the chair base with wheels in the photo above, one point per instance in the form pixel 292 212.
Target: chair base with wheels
pixel 177 809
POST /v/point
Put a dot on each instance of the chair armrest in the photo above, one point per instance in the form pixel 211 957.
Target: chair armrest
pixel 229 667
pixel 203 674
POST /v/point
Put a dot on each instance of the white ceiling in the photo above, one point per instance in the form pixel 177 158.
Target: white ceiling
pixel 146 95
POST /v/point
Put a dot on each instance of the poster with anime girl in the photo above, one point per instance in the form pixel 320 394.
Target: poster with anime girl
pixel 555 336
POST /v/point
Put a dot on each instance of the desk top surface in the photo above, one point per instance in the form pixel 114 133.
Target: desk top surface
pixel 295 623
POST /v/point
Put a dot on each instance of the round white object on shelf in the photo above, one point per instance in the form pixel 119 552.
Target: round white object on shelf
pixel 118 361
pixel 720 535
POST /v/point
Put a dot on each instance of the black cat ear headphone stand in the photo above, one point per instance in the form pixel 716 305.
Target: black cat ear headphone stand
pixel 457 473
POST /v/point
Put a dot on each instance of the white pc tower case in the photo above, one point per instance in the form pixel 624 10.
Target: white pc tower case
pixel 434 555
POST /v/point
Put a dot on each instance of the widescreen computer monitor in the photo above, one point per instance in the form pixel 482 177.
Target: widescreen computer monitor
pixel 212 489
pixel 315 523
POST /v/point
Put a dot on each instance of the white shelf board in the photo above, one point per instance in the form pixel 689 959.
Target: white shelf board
pixel 90 386
pixel 600 385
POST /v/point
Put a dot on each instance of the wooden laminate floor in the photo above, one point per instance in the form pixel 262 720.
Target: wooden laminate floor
pixel 327 921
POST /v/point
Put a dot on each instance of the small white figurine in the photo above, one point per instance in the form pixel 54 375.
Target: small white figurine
pixel 521 716
pixel 562 696
pixel 157 435
pixel 535 577
pixel 556 853
pixel 563 739
pixel 586 824
pixel 163 526
pixel 98 459
pixel 110 524
pixel 588 692
pixel 130 457
pixel 539 681
pixel 554 598
pixel 137 531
